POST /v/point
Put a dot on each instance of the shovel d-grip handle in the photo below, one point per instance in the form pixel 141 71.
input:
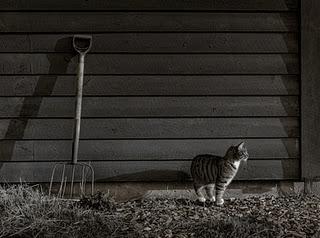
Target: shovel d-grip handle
pixel 82 43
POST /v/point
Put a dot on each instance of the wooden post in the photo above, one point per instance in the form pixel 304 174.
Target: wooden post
pixel 310 89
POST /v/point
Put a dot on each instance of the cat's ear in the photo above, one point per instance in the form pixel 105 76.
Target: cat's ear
pixel 240 146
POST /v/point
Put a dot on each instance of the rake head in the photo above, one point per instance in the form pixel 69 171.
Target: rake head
pixel 69 175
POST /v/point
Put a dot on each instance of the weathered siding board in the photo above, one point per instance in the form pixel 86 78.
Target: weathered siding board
pixel 163 85
pixel 150 43
pixel 165 81
pixel 149 5
pixel 146 150
pixel 146 22
pixel 149 170
pixel 124 128
pixel 108 107
pixel 151 64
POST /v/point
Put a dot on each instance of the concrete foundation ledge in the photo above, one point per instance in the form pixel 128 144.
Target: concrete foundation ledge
pixel 123 191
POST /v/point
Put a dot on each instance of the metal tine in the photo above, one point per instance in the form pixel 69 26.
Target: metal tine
pixel 60 189
pixel 72 181
pixel 82 186
pixel 89 171
pixel 92 178
pixel 62 181
pixel 85 177
pixel 52 177
pixel 64 186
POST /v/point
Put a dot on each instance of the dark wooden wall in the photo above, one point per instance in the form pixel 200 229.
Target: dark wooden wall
pixel 165 81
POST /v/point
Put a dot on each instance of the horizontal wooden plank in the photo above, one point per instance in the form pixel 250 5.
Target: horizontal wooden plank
pixel 151 64
pixel 11 150
pixel 156 43
pixel 47 85
pixel 146 22
pixel 150 128
pixel 148 171
pixel 150 106
pixel 205 5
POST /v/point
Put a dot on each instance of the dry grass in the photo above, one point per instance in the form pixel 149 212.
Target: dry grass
pixel 26 212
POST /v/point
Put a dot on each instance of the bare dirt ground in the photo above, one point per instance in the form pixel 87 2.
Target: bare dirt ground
pixel 26 212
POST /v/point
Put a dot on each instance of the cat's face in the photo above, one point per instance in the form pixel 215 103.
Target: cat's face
pixel 239 152
pixel 242 152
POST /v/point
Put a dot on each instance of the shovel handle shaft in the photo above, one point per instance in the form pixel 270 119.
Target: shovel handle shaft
pixel 77 119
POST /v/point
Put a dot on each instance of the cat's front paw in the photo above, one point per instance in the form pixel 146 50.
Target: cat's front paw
pixel 220 202
pixel 213 199
pixel 202 199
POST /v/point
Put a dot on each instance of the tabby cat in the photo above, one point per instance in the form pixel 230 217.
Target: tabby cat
pixel 209 171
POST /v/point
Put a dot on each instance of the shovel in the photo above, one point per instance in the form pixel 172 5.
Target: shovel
pixel 82 44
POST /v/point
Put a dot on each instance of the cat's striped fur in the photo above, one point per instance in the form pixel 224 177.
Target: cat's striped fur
pixel 209 171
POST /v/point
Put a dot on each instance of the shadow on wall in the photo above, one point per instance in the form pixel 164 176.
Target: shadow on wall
pixel 292 107
pixel 156 175
pixel 44 86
